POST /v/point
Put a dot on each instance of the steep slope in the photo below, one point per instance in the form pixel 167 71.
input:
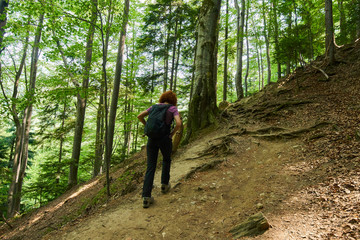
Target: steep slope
pixel 291 151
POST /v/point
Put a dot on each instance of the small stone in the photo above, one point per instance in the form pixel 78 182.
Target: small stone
pixel 259 206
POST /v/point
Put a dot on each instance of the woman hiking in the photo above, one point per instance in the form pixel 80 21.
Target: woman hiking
pixel 158 130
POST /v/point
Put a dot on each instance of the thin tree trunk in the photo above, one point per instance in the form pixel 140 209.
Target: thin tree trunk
pixel 342 22
pixel 288 63
pixel 329 39
pixel 81 101
pixel 177 59
pixel 247 49
pixel 226 52
pixel 115 94
pixel 193 70
pixel 100 141
pixel 62 137
pixel 21 152
pixel 276 38
pixel 262 67
pixel 3 19
pixel 267 45
pixel 203 107
pixel 239 52
pixel 167 42
pixel 174 56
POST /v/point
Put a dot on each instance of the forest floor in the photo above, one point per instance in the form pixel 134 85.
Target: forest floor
pixel 291 151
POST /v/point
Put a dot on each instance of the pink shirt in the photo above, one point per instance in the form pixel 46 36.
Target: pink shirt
pixel 170 114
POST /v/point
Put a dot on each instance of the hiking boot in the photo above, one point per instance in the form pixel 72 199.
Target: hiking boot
pixel 165 188
pixel 147 201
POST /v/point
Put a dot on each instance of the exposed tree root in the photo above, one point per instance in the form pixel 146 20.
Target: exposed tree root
pixel 290 135
pixel 203 168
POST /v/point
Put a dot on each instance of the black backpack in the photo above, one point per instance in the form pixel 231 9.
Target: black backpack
pixel 155 127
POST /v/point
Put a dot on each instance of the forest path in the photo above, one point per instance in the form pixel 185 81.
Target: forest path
pixel 204 204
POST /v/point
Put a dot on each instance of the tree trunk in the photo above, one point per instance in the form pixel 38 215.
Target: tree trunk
pixel 261 66
pixel 81 101
pixel 193 70
pixel 267 45
pixel 203 107
pixel 357 7
pixel 226 52
pixel 115 94
pixel 239 52
pixel 177 59
pixel 100 141
pixel 62 137
pixel 329 38
pixel 259 69
pixel 342 22
pixel 3 19
pixel 174 56
pixel 276 38
pixel 167 42
pixel 247 49
pixel 288 63
pixel 23 131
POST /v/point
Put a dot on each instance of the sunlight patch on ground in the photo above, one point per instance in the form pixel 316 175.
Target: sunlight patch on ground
pixel 49 210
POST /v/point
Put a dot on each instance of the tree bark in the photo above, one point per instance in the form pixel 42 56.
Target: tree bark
pixel 357 7
pixel 23 131
pixel 267 45
pixel 3 19
pixel 100 130
pixel 173 56
pixel 329 38
pixel 115 94
pixel 81 101
pixel 193 70
pixel 342 22
pixel 226 52
pixel 239 52
pixel 62 138
pixel 247 50
pixel 276 38
pixel 177 59
pixel 203 109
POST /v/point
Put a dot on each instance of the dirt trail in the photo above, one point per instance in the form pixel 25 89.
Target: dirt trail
pixel 209 203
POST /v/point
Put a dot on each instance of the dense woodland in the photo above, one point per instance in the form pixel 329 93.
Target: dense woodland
pixel 75 74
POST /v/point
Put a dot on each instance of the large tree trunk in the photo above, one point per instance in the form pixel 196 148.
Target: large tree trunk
pixel 357 7
pixel 226 52
pixel 81 101
pixel 329 39
pixel 240 45
pixel 23 132
pixel 267 45
pixel 115 94
pixel 203 107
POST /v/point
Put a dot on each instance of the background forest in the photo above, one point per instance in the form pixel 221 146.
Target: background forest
pixel 64 64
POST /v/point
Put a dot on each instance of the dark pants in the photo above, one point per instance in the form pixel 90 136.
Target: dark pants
pixel 153 146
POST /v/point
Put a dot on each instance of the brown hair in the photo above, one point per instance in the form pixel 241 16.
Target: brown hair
pixel 168 96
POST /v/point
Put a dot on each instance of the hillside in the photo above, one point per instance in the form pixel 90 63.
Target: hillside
pixel 292 151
